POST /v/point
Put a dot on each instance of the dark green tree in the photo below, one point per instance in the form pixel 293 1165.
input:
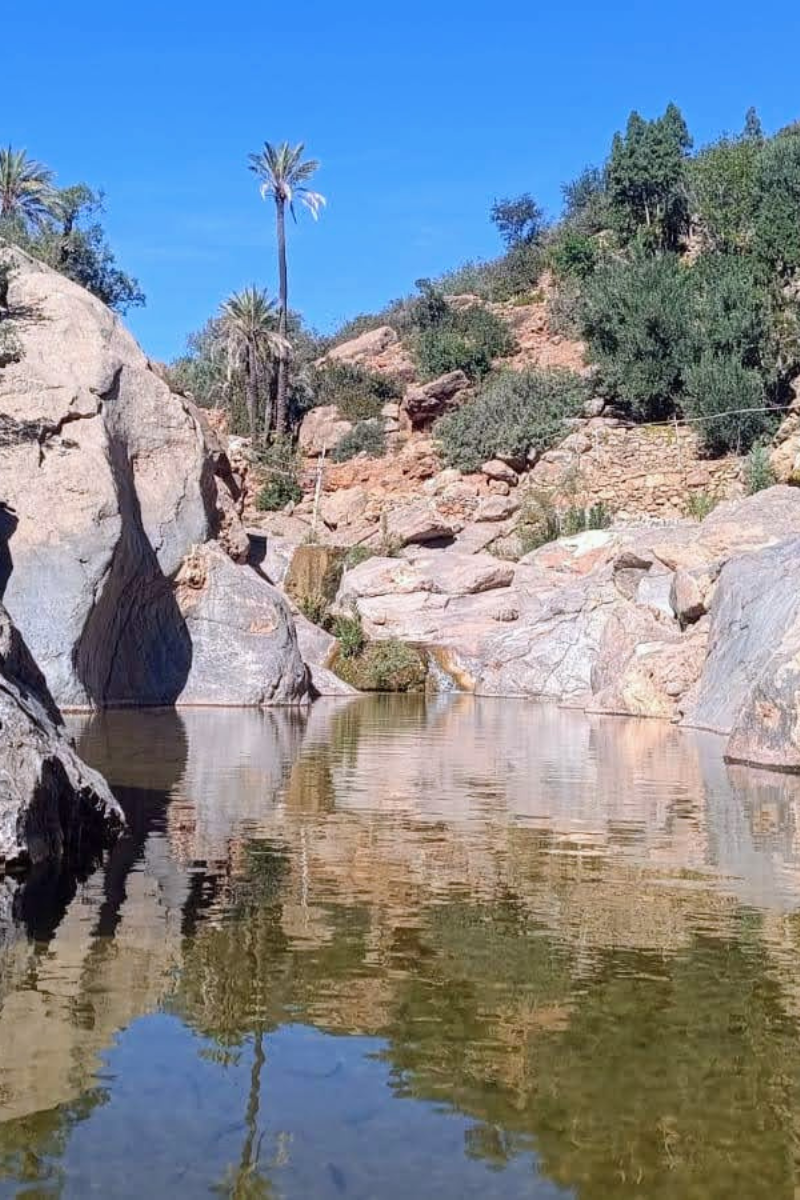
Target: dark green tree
pixel 777 223
pixel 519 220
pixel 636 319
pixel 646 177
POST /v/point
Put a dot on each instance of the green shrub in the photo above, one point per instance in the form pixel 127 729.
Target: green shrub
pixel 349 632
pixel 359 394
pixel 467 340
pixel 573 255
pixel 316 608
pixel 700 504
pixel 758 472
pixel 357 555
pixel 636 318
pixel 720 398
pixel 278 462
pixel 365 438
pixel 389 666
pixel 514 413
pixel 541 522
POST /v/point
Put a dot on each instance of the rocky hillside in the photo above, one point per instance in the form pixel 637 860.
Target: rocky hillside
pixel 629 469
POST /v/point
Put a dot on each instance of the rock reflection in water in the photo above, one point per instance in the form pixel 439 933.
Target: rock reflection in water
pixel 575 937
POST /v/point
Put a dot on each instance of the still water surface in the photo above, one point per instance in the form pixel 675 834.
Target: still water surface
pixel 400 947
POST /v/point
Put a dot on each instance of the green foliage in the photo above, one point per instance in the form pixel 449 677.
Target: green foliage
pixel 359 394
pixel 586 204
pixel 357 555
pixel 468 340
pixel 519 221
pixel 349 632
pixel 646 180
pixel 279 464
pixel 637 324
pixel 573 254
pixel 722 181
pixel 721 394
pixel 367 437
pixel 316 608
pixel 200 371
pixel 514 413
pixel 68 236
pixel 700 504
pixel 777 225
pixel 389 666
pixel 758 472
pixel 541 521
pixel 513 276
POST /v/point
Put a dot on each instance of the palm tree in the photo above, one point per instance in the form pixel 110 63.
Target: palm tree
pixel 283 176
pixel 250 342
pixel 26 188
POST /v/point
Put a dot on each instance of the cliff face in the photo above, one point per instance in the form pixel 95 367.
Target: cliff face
pixel 115 489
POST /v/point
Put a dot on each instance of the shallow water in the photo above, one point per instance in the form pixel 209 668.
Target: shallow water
pixel 403 947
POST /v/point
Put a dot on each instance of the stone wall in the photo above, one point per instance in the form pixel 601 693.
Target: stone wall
pixel 640 469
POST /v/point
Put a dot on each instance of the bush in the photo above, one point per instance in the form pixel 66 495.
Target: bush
pixel 467 340
pixel 389 666
pixel 758 472
pixel 573 255
pixel 636 319
pixel 279 463
pixel 365 438
pixel 700 504
pixel 349 632
pixel 357 555
pixel 515 412
pixel 316 609
pixel 720 394
pixel 541 522
pixel 359 394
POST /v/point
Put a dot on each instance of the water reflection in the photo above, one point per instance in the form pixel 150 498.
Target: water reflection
pixel 356 949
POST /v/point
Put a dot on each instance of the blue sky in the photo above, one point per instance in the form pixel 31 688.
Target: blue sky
pixel 421 114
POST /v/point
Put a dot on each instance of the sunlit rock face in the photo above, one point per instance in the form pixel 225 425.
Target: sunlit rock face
pixel 114 486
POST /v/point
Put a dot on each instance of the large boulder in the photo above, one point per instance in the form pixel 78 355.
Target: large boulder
pixel 52 806
pixel 322 429
pixel 114 486
pixel 611 620
pixel 750 684
pixel 425 402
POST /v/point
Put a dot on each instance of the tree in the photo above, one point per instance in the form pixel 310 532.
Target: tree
pixel 646 177
pixel 284 175
pixel 520 221
pixel 250 341
pixel 27 193
pixel 723 187
pixel 777 222
pixel 636 318
pixel 586 201
pixel 76 245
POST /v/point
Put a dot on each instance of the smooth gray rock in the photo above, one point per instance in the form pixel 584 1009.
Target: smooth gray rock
pixel 755 607
pixel 52 806
pixel 242 639
pixel 114 486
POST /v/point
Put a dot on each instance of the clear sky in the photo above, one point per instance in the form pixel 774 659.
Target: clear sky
pixel 421 113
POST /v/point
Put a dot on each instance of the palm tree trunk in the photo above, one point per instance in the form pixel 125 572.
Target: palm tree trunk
pixel 251 393
pixel 283 362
